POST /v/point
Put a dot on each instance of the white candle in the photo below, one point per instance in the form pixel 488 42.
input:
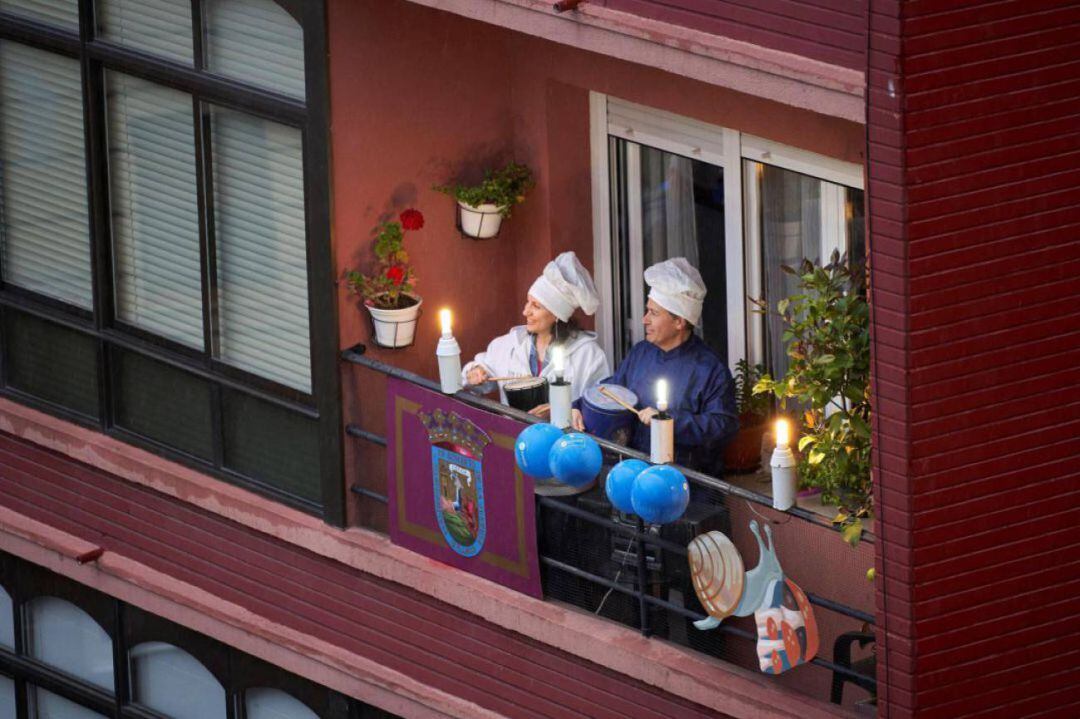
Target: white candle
pixel 661 428
pixel 661 395
pixel 558 361
pixel 559 390
pixel 449 354
pixel 783 467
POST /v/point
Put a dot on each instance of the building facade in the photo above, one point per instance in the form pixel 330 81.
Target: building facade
pixel 193 482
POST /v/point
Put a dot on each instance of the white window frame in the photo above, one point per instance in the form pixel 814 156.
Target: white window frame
pixel 727 149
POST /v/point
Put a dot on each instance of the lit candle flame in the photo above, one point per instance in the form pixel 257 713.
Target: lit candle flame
pixel 782 432
pixel 558 361
pixel 445 318
pixel 661 395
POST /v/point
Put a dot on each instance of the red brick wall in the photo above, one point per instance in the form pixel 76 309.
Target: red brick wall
pixel 832 31
pixel 975 206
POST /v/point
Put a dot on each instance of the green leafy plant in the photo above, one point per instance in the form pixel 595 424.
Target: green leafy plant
pixel 503 188
pixel 751 406
pixel 389 285
pixel 827 337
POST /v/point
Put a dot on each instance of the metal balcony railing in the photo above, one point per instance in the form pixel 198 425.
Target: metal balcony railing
pixel 617 566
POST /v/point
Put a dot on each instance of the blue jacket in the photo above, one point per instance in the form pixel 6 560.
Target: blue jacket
pixel 701 399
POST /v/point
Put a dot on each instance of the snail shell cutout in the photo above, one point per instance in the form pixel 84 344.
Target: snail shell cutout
pixel 718 573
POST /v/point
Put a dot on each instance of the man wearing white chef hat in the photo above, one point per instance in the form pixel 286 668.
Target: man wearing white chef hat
pixel 564 287
pixel 701 393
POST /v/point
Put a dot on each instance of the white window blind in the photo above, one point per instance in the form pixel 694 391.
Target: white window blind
pixel 266 703
pixel 161 27
pixel 7 621
pixel 172 682
pixel 7 698
pixel 66 637
pixel 261 255
pixel 61 13
pixel 154 204
pixel 53 706
pixel 43 207
pixel 256 41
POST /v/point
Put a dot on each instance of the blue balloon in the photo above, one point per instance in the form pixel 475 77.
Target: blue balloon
pixel 660 494
pixel 620 482
pixel 576 459
pixel 532 447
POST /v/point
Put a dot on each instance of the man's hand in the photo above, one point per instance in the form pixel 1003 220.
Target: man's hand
pixel 647 414
pixel 543 411
pixel 576 420
pixel 477 376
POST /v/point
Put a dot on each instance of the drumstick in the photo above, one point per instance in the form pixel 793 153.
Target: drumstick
pixel 604 391
pixel 508 378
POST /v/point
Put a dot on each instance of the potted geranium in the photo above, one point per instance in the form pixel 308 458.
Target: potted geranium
pixel 388 290
pixel 743 453
pixel 484 206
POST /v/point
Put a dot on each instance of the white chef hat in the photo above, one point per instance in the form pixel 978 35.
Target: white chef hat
pixel 676 285
pixel 565 286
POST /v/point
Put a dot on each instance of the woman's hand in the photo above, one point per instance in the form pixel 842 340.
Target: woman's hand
pixel 477 376
pixel 576 420
pixel 543 411
pixel 647 414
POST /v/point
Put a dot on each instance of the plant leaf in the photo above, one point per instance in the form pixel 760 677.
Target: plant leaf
pixel 852 533
pixel 815 457
pixel 806 440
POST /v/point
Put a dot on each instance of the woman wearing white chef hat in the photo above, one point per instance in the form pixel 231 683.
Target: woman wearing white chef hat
pixel 701 393
pixel 526 350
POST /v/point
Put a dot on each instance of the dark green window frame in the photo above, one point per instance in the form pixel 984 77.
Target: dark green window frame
pixel 74 338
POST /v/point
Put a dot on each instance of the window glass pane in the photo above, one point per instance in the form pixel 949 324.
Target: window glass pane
pixel 43 209
pixel 50 706
pixel 171 681
pixel 272 445
pixel 161 27
pixel 264 703
pixel 670 206
pixel 7 698
pixel 51 362
pixel 256 41
pixel 7 621
pixel 155 209
pixel 62 13
pixel 164 404
pixel 261 252
pixel 799 217
pixel 66 637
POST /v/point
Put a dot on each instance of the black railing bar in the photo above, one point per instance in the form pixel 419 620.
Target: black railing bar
pixel 623 529
pixel 840 608
pixel 355 431
pixel 364 492
pixel 356 356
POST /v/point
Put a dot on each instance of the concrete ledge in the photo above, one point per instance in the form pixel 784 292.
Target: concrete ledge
pixel 753 69
pixel 696 677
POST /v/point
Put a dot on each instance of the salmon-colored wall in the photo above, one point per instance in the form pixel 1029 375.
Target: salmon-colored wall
pixel 419 97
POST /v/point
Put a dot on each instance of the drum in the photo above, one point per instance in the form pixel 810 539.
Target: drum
pixel 605 417
pixel 524 394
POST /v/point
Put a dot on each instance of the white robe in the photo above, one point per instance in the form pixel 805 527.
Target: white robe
pixel 508 355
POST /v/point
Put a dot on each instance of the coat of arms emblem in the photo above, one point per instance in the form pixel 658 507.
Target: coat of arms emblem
pixel 457 454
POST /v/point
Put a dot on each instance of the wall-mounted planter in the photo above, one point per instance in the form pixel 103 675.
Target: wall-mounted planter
pixel 395 328
pixel 481 222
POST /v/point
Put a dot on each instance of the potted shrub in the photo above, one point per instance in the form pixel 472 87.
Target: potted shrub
pixel 482 207
pixel 388 290
pixel 743 453
pixel 828 378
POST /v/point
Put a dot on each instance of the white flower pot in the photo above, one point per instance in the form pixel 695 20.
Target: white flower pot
pixel 395 328
pixel 481 221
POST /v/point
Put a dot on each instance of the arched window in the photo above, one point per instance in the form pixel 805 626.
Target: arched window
pixel 66 637
pixel 267 703
pixel 171 681
pixel 7 622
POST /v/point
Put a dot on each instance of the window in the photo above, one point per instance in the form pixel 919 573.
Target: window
pixel 164 232
pixel 170 671
pixel 736 206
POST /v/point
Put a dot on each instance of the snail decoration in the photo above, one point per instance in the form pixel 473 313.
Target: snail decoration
pixel 786 628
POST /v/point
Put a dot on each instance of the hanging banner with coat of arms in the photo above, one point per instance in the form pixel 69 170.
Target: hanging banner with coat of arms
pixel 455 492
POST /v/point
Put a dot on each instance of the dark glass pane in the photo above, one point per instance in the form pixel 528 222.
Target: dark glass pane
pixel 272 445
pixel 164 404
pixel 51 362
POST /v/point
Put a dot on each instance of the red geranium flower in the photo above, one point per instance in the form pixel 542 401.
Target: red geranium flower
pixel 412 219
pixel 395 274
